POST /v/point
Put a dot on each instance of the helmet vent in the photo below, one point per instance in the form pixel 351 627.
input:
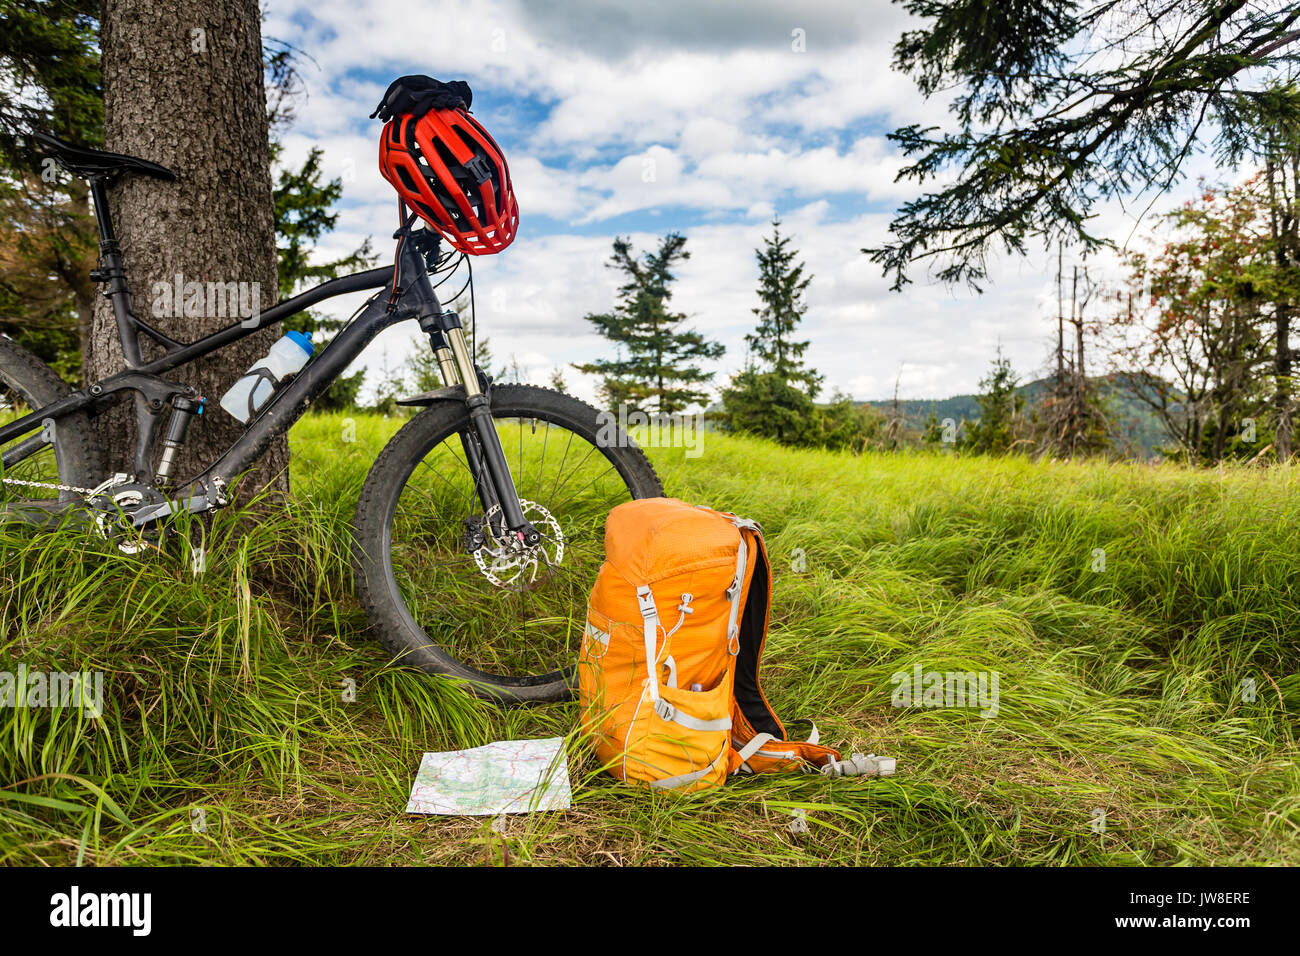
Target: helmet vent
pixel 404 175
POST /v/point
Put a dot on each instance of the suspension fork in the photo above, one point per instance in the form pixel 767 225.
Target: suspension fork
pixel 482 445
pixel 483 485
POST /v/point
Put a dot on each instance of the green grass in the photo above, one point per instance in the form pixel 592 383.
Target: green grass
pixel 1120 689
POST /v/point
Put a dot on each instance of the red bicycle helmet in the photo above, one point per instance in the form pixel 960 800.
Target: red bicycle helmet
pixel 452 174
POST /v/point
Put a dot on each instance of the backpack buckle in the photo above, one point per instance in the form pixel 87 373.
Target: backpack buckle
pixel 480 167
pixel 645 599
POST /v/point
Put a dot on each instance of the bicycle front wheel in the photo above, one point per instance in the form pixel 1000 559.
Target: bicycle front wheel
pixel 441 589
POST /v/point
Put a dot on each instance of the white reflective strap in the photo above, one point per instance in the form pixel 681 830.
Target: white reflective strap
pixel 650 631
pixel 597 641
pixel 733 595
pixel 753 746
pixel 814 736
pixel 682 780
pixel 668 712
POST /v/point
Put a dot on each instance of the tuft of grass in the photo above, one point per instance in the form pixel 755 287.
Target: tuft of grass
pixel 1163 689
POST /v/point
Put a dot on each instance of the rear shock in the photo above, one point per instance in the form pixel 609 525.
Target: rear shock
pixel 183 411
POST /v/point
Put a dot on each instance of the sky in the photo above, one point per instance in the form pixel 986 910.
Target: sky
pixel 704 118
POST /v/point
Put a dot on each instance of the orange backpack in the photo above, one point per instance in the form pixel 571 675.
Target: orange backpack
pixel 690 589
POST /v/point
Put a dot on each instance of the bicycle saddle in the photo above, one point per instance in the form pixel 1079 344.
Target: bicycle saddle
pixel 86 163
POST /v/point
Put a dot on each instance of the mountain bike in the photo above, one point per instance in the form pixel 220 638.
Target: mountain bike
pixel 479 528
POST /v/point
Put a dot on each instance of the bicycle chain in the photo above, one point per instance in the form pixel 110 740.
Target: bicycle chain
pixel 48 484
pixel 115 480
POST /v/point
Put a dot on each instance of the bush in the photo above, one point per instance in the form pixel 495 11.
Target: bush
pixel 341 396
pixel 765 405
pixel 846 424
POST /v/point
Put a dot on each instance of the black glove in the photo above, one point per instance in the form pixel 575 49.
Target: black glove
pixel 416 95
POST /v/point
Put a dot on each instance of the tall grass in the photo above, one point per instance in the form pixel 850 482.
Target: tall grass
pixel 1124 689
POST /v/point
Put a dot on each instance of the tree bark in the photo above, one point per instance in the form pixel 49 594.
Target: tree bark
pixel 183 87
pixel 1060 321
pixel 1283 226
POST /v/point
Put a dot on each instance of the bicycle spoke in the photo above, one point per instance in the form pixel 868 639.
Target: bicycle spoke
pixel 500 610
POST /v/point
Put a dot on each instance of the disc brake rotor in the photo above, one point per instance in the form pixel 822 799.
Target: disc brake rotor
pixel 506 563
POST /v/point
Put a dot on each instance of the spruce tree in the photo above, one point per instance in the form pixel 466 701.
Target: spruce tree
pixel 1000 405
pixel 1060 105
pixel 781 285
pixel 657 365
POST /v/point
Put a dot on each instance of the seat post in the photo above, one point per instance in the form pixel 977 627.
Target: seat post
pixel 102 215
pixel 112 272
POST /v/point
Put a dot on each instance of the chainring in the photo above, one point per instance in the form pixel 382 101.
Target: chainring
pixel 116 501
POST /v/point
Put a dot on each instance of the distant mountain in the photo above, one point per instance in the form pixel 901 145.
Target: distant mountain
pixel 1136 425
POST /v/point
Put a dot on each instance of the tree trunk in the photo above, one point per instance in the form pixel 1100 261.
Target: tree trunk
pixel 1282 376
pixel 183 87
pixel 1060 321
pixel 1283 226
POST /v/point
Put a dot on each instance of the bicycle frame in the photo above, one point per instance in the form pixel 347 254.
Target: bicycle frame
pixel 416 300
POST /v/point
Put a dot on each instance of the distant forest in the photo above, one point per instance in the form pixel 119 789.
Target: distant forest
pixel 1137 429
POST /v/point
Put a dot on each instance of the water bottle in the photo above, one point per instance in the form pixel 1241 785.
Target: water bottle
pixel 290 353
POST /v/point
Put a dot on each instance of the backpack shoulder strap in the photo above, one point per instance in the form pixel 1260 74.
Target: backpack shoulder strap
pixel 755 608
pixel 758 737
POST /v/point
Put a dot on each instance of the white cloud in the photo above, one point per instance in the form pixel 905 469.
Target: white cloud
pixel 702 107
